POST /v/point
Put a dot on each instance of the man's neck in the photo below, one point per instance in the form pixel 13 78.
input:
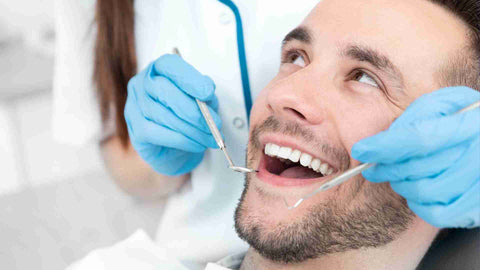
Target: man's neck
pixel 404 253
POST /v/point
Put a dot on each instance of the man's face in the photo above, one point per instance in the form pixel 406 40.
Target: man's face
pixel 347 72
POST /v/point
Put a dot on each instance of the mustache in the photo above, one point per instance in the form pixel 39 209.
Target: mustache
pixel 295 130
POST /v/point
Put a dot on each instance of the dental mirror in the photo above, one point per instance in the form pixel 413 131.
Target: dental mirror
pixel 216 133
pixel 242 169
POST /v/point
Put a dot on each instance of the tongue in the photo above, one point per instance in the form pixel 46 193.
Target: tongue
pixel 300 172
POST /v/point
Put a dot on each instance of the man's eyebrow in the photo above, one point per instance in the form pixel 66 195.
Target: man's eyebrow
pixel 300 33
pixel 375 58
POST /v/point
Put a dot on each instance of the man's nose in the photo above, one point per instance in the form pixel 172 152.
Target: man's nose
pixel 296 98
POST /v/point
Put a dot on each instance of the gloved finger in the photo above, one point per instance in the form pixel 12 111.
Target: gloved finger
pixel 185 76
pixel 145 131
pixel 163 116
pixel 159 157
pixel 464 212
pixel 163 100
pixel 163 136
pixel 418 138
pixel 442 102
pixel 213 104
pixel 184 106
pixel 447 185
pixel 415 168
pixel 439 103
pixel 184 161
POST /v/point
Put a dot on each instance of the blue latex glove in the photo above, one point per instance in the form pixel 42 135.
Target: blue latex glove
pixel 431 157
pixel 164 123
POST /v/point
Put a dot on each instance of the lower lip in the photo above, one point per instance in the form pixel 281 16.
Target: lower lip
pixel 276 180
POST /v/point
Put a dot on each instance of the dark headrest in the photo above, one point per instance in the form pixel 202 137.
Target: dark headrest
pixel 457 249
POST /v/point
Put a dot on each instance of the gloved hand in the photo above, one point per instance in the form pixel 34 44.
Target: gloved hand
pixel 431 157
pixel 164 123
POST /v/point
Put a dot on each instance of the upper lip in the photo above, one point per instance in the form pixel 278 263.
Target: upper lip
pixel 294 143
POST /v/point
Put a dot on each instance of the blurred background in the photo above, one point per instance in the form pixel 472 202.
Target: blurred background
pixel 56 200
pixel 29 155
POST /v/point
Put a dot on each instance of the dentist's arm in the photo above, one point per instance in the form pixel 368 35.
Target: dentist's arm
pixel 165 126
pixel 133 175
pixel 432 157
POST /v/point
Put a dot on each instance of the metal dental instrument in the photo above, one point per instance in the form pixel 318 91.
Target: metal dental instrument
pixel 354 171
pixel 216 133
pixel 218 138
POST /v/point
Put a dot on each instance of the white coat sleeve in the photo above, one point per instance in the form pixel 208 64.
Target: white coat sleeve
pixel 76 116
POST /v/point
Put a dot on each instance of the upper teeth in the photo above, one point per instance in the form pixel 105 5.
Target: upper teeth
pixel 295 155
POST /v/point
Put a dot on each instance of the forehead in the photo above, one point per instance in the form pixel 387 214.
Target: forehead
pixel 417 35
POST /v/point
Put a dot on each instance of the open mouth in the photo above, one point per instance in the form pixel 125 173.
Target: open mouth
pixel 288 169
pixel 283 165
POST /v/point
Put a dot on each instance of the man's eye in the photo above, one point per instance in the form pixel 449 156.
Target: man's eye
pixel 365 78
pixel 294 57
pixel 299 61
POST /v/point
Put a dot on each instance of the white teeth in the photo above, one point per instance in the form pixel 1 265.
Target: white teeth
pixel 315 164
pixel 284 152
pixel 295 155
pixel 268 146
pixel 324 168
pixel 271 149
pixel 305 159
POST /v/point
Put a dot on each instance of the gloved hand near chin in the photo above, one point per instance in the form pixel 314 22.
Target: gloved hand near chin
pixel 164 123
pixel 431 157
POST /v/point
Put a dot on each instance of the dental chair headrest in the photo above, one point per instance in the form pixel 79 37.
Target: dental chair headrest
pixel 457 249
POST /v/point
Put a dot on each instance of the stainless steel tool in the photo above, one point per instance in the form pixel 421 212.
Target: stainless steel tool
pixel 218 138
pixel 216 133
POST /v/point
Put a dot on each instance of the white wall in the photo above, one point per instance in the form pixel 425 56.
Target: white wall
pixel 46 160
pixel 28 154
pixel 9 173
pixel 25 15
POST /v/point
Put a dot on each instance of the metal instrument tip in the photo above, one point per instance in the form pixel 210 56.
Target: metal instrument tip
pixel 242 169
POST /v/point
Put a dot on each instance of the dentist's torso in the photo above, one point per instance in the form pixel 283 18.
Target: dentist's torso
pixel 197 225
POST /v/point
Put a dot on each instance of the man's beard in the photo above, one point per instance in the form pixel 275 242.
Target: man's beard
pixel 329 227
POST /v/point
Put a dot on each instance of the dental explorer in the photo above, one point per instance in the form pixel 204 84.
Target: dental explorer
pixel 354 171
pixel 216 133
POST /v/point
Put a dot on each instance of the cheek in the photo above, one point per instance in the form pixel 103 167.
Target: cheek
pixel 364 121
pixel 259 110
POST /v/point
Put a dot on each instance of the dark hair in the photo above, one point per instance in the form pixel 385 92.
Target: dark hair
pixel 464 68
pixel 115 60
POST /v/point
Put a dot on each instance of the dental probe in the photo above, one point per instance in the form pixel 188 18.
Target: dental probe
pixel 218 138
pixel 216 133
pixel 354 171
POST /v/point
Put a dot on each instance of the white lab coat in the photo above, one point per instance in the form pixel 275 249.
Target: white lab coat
pixel 198 222
pixel 139 252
